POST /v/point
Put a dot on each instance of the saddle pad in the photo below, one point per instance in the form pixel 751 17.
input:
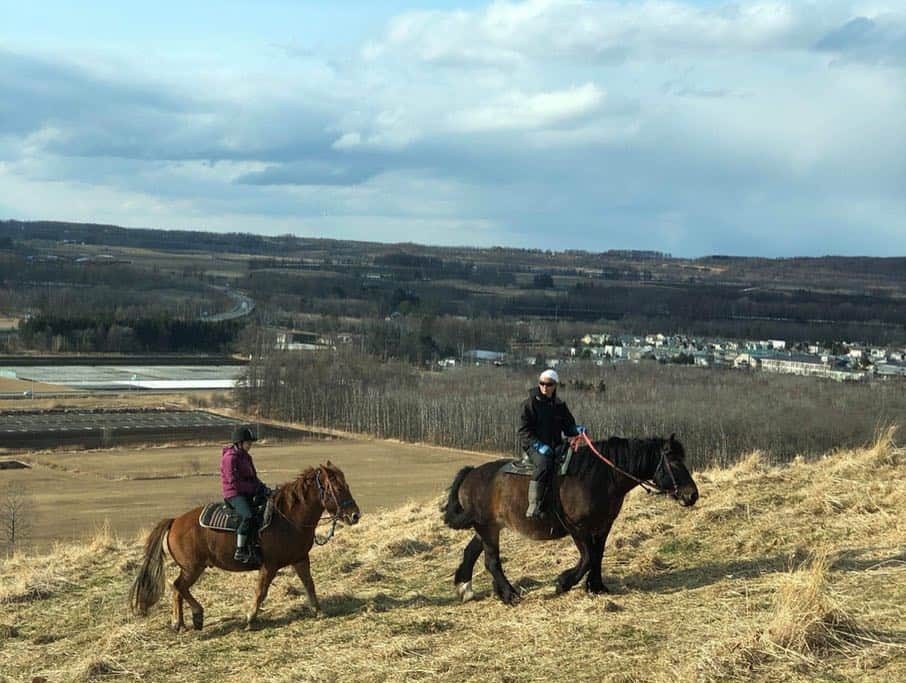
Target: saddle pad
pixel 218 516
pixel 523 466
pixel 221 517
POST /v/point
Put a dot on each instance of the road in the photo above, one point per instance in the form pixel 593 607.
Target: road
pixel 243 306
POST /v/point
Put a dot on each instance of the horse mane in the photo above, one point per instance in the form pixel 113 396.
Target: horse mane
pixel 638 457
pixel 296 490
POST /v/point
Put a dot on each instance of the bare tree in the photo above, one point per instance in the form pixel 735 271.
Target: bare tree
pixel 16 512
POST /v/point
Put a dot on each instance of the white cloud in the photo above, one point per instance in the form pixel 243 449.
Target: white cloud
pixel 513 32
pixel 521 111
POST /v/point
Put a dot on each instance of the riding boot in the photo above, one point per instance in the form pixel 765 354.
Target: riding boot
pixel 244 552
pixel 534 510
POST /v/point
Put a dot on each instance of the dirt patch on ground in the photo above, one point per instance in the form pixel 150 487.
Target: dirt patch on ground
pixel 8 384
pixel 135 399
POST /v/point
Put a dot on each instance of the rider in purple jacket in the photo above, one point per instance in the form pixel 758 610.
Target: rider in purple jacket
pixel 240 483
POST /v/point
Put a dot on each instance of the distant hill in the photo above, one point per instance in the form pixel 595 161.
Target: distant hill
pixel 779 573
pixel 798 299
pixel 417 255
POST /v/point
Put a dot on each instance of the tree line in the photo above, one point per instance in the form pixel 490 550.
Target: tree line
pixel 127 335
pixel 718 414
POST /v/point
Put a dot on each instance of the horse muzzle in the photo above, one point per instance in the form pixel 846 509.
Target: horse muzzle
pixel 352 517
pixel 687 494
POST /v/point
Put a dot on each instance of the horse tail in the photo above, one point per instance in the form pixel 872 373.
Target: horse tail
pixel 148 585
pixel 455 516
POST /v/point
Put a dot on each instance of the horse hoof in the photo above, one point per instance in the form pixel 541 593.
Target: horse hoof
pixel 511 599
pixel 197 621
pixel 597 590
pixel 175 626
pixel 465 592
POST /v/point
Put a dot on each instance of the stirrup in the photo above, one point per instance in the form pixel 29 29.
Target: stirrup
pixel 247 555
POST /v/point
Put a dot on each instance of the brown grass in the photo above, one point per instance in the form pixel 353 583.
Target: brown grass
pixel 74 491
pixel 763 580
pixel 8 384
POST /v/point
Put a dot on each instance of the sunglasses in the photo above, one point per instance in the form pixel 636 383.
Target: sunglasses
pixel 548 384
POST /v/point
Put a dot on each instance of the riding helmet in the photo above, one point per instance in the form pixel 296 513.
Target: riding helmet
pixel 241 434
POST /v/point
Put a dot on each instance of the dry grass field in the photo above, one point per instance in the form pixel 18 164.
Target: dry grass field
pixel 791 573
pixel 8 384
pixel 78 399
pixel 76 492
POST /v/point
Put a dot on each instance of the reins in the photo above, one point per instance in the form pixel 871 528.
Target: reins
pixel 649 486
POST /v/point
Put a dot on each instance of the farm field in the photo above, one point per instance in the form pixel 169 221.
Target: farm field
pixel 76 492
pixel 134 399
pixel 791 572
pixel 10 385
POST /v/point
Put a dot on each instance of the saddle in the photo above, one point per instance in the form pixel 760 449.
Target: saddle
pixel 221 517
pixel 524 467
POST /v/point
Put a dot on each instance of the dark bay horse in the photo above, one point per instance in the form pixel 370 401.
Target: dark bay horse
pixel 487 500
pixel 287 541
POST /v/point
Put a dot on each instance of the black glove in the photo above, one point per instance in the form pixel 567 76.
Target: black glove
pixel 262 494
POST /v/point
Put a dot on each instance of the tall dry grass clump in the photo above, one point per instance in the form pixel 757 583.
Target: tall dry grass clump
pixel 808 618
pixel 806 621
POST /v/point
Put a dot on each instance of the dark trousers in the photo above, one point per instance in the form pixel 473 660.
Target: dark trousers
pixel 544 466
pixel 242 506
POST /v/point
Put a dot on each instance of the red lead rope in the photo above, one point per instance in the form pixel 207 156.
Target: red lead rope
pixel 647 485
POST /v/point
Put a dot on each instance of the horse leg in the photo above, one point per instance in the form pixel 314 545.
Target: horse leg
pixel 570 577
pixel 593 582
pixel 176 622
pixel 502 587
pixel 303 569
pixel 265 575
pixel 463 578
pixel 181 586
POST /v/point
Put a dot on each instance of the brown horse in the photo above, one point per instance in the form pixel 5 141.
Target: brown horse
pixel 487 500
pixel 298 507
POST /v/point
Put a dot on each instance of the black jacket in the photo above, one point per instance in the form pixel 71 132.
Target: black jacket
pixel 544 419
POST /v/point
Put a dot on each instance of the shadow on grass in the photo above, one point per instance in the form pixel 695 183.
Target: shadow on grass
pixel 345 605
pixel 852 560
pixel 713 572
pixel 332 606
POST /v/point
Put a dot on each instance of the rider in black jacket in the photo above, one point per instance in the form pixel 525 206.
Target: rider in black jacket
pixel 545 418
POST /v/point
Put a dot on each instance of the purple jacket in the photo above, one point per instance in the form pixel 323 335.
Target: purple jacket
pixel 237 472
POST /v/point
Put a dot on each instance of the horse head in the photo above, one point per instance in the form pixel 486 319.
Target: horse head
pixel 673 476
pixel 335 495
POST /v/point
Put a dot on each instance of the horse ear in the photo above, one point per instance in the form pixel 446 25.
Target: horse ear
pixel 672 437
pixel 330 464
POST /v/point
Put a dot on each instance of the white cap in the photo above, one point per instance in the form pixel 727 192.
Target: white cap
pixel 549 375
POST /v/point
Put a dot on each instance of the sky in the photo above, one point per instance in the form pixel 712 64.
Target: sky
pixel 761 128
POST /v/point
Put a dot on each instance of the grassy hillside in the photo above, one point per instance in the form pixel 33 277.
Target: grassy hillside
pixel 779 573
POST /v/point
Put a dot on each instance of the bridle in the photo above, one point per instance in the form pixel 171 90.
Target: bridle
pixel 649 485
pixel 327 487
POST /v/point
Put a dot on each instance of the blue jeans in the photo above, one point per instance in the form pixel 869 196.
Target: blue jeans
pixel 242 507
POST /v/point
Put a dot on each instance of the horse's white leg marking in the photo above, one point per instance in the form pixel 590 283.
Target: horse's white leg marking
pixel 464 591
